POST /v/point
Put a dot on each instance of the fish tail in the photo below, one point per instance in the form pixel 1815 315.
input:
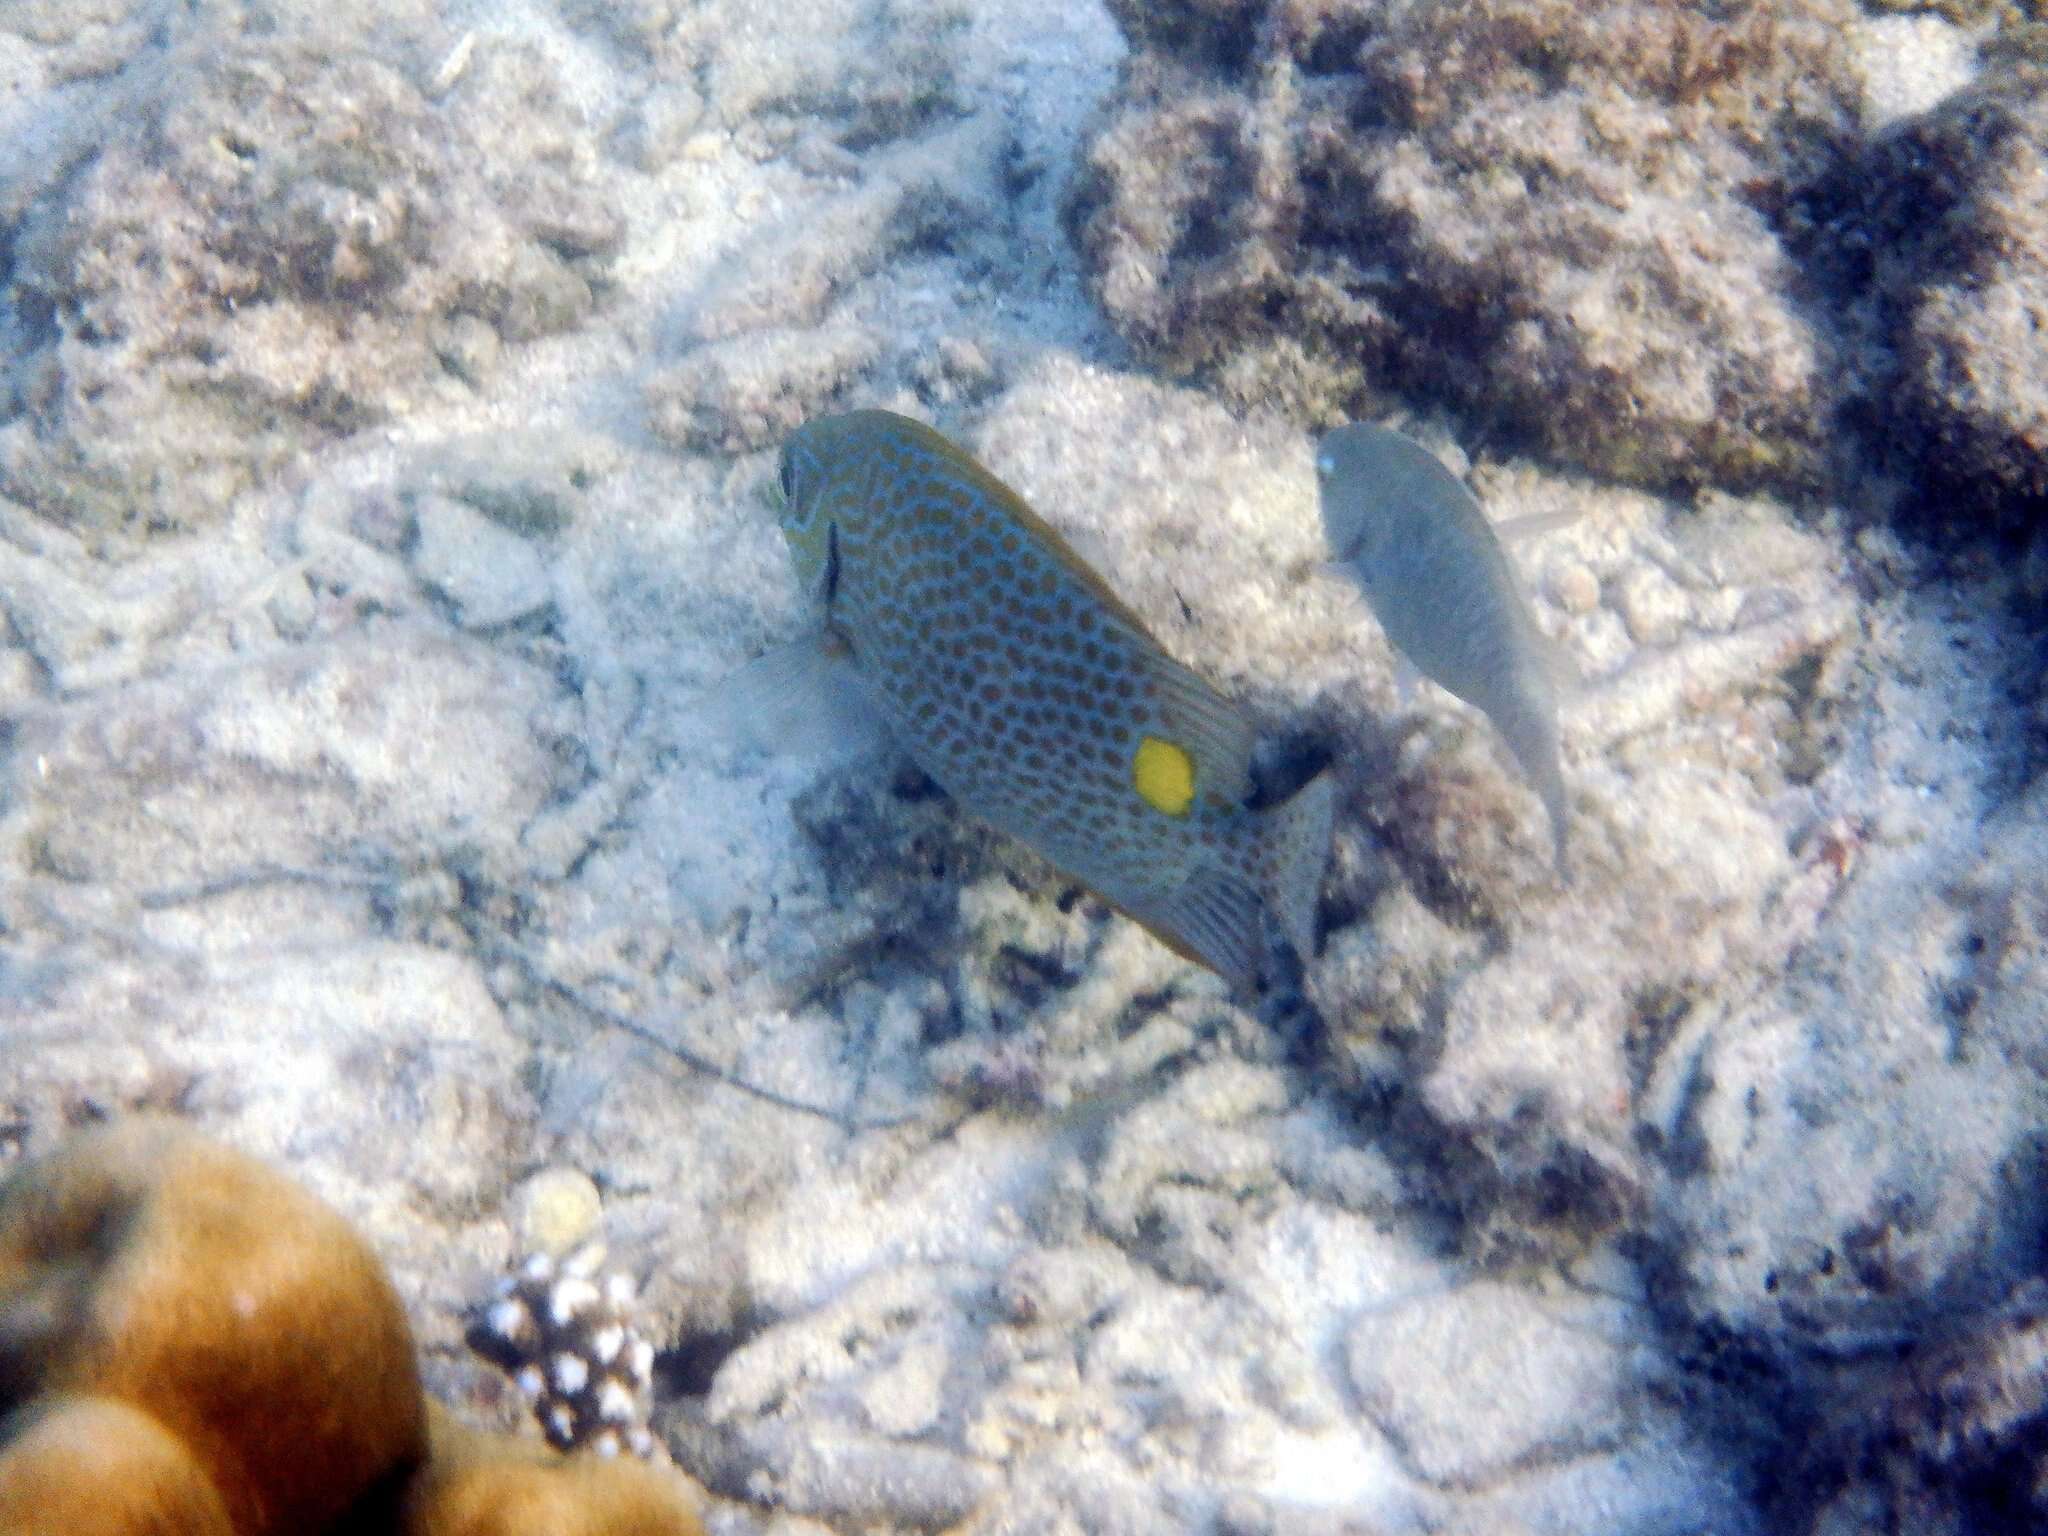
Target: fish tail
pixel 1550 787
pixel 1531 734
pixel 1218 915
pixel 1292 842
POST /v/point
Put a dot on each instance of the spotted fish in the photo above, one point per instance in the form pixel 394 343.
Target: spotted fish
pixel 1015 678
pixel 1432 567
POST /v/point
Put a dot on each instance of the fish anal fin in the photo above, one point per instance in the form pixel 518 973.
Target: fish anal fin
pixel 1558 666
pixel 1407 680
pixel 1212 918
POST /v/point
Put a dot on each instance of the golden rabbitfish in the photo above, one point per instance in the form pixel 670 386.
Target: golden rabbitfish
pixel 1014 676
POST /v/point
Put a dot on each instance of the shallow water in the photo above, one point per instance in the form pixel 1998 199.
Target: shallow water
pixel 394 397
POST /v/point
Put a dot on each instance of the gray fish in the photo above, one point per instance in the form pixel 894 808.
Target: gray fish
pixel 1432 567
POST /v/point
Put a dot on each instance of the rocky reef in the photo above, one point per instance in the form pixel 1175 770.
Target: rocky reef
pixel 1670 246
pixel 281 243
pixel 1941 220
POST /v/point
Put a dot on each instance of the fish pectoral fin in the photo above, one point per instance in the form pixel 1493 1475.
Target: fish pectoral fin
pixel 1212 918
pixel 802 697
pixel 1209 728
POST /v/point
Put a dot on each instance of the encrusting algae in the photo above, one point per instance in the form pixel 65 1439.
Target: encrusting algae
pixel 1018 680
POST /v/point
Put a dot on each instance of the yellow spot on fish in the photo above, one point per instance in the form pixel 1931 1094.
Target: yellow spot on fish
pixel 1164 776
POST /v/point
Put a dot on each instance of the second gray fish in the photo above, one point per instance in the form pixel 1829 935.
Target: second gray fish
pixel 1430 564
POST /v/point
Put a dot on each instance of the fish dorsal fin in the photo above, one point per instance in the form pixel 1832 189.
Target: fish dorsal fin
pixel 965 466
pixel 1532 525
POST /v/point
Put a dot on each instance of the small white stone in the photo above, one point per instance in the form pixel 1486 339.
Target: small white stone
pixel 572 1373
pixel 562 1419
pixel 642 1362
pixel 1908 63
pixel 607 1343
pixel 557 1210
pixel 1654 608
pixel 538 1267
pixel 531 1383
pixel 1576 589
pixel 488 574
pixel 641 1441
pixel 618 1290
pixel 606 1446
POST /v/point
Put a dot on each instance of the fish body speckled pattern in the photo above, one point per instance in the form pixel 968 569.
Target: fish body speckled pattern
pixel 1430 564
pixel 1019 681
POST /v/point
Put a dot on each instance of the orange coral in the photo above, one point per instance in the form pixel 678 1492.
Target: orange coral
pixel 146 1264
pixel 483 1485
pixel 192 1345
pixel 72 1464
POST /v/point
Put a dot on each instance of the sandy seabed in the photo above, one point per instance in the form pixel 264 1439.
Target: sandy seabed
pixel 391 401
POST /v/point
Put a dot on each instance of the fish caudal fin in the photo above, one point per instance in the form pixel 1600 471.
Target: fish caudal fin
pixel 1293 849
pixel 1218 916
pixel 1550 788
pixel 1529 727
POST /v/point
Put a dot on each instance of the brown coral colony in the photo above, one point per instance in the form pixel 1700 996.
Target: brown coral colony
pixel 190 1343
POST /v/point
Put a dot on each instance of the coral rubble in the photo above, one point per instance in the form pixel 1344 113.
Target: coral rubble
pixel 441 351
pixel 276 246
